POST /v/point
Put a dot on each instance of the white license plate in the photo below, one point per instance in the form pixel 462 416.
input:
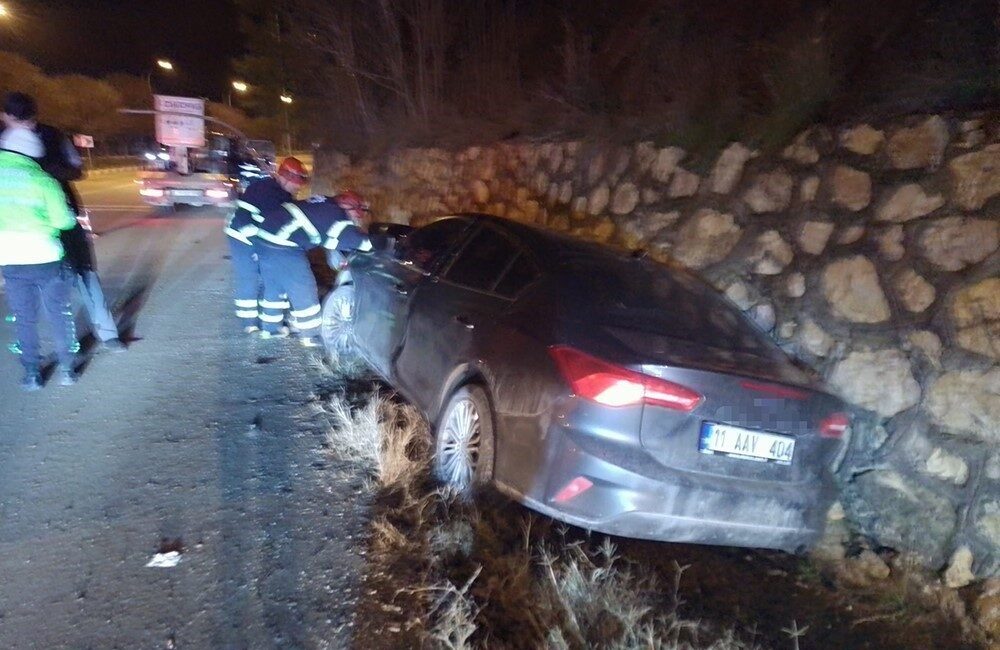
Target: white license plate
pixel 186 193
pixel 743 443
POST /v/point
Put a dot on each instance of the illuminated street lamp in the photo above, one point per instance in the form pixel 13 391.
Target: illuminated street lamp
pixel 163 64
pixel 238 86
pixel 286 98
pixel 4 12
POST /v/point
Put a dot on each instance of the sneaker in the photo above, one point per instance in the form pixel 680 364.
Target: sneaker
pixel 67 376
pixel 251 329
pixel 32 381
pixel 311 341
pixel 113 345
pixel 280 334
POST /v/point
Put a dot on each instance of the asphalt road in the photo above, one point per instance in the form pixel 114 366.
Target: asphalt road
pixel 197 439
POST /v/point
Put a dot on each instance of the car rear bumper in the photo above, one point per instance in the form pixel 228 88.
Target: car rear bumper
pixel 669 505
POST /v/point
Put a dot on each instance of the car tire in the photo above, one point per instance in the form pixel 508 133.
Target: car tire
pixel 464 441
pixel 337 330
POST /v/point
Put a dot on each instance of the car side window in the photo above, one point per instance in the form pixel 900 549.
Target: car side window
pixel 480 263
pixel 427 247
pixel 522 272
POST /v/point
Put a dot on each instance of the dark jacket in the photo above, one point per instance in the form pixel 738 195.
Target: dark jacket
pixel 308 224
pixel 62 161
pixel 259 197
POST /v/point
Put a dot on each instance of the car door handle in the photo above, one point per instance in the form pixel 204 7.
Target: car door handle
pixel 465 322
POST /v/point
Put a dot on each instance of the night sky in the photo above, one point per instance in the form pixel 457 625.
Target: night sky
pixel 96 37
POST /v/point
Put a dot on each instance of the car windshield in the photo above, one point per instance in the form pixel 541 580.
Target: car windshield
pixel 644 296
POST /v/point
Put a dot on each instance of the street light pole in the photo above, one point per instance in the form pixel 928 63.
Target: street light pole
pixel 286 99
pixel 163 64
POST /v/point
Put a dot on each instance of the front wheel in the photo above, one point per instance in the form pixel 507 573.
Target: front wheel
pixel 464 441
pixel 337 330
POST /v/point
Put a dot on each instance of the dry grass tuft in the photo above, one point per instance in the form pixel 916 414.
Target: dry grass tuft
pixel 388 438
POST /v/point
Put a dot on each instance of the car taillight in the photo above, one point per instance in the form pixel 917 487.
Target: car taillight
pixel 605 383
pixel 217 194
pixel 834 425
pixel 151 191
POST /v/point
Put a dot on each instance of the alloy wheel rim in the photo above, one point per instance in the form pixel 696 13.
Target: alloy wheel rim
pixel 461 438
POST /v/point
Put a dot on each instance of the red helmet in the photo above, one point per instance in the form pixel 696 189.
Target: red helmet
pixel 351 200
pixel 293 171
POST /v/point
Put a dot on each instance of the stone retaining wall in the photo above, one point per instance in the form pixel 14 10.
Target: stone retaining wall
pixel 870 252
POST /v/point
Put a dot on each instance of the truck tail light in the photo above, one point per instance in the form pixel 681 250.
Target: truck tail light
pixel 610 385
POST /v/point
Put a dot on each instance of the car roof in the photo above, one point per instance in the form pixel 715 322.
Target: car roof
pixel 546 244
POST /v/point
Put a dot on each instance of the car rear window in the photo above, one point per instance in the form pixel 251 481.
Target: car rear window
pixel 645 296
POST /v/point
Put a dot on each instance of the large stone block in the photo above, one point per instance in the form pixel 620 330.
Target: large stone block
pixel 625 198
pixel 901 514
pixel 947 467
pixel 956 242
pixel 920 146
pixel 814 235
pixel 636 231
pixel 975 177
pixel 853 292
pixel 916 293
pixel 770 254
pixel 862 139
pixel 814 339
pixel 967 403
pixel 729 168
pixel 850 188
pixel 598 200
pixel 770 192
pixel 645 155
pixel 684 184
pixel 975 313
pixel 707 238
pixel 880 381
pixel 890 243
pixel 665 163
pixel 801 150
pixel 908 202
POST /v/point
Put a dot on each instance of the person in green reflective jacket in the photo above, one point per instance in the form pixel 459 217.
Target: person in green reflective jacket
pixel 33 214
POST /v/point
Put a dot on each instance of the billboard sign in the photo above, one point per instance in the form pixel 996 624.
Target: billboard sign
pixel 180 121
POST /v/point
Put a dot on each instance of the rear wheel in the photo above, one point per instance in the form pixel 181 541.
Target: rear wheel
pixel 337 329
pixel 464 441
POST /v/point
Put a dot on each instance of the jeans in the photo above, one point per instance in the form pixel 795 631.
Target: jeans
pixel 80 257
pixel 286 272
pixel 29 286
pixel 92 296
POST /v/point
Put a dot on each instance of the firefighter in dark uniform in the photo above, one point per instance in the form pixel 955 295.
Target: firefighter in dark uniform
pixel 260 196
pixel 282 239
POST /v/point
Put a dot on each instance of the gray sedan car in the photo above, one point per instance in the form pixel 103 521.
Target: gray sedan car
pixel 597 387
